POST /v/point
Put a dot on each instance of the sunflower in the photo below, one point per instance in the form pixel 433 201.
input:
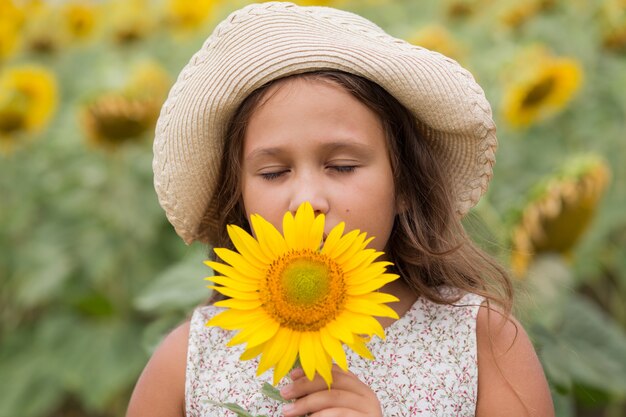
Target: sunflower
pixel 129 21
pixel 11 20
pixel 38 38
pixel 545 86
pixel 187 16
pixel 613 23
pixel 517 14
pixel 117 117
pixel 79 18
pixel 28 98
pixel 291 297
pixel 437 38
pixel 559 212
pixel 114 119
pixel 460 9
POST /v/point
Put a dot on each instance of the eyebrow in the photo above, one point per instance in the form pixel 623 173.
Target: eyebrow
pixel 360 148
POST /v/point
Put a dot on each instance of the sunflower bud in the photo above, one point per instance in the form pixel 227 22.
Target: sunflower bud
pixel 118 117
pixel 559 212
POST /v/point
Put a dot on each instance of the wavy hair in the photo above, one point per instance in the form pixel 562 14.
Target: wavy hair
pixel 428 245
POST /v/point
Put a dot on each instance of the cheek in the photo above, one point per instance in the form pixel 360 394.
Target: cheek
pixel 265 204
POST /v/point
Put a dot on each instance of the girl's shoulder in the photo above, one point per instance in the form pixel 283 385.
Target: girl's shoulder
pixel 151 395
pixel 509 371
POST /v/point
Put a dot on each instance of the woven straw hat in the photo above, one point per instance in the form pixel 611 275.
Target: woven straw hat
pixel 263 42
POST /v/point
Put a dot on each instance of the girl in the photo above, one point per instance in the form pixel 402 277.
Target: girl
pixel 287 104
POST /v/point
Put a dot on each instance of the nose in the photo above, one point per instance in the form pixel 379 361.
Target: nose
pixel 312 191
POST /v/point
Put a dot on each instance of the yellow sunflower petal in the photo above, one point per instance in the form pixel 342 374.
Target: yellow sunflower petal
pixel 239 304
pixel 239 295
pixel 360 260
pixel 248 247
pixel 289 231
pixel 338 330
pixel 333 238
pixel 307 354
pixel 229 271
pixel 255 334
pixel 366 307
pixel 304 219
pixel 271 241
pixel 253 352
pixel 238 262
pixel 375 282
pixel 354 247
pixel 345 242
pixel 363 324
pixel 360 348
pixel 333 347
pixel 323 360
pixel 233 283
pixel 274 350
pixel 288 358
pixel 316 234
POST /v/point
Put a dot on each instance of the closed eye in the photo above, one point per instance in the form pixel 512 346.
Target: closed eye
pixel 342 168
pixel 269 176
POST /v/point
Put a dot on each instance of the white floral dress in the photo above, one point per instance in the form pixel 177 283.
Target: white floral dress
pixel 427 366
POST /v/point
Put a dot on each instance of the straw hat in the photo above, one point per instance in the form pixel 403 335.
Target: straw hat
pixel 263 42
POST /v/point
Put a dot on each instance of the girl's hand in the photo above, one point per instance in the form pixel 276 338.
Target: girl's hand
pixel 347 397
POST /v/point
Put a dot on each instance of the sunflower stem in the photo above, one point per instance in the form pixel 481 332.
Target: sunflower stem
pixel 272 392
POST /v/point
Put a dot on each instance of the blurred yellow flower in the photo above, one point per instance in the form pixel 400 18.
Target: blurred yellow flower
pixel 129 20
pixel 28 98
pixel 437 38
pixel 541 87
pixel 148 80
pixel 79 18
pixel 316 2
pixel 513 14
pixel 559 212
pixel 118 117
pixel 11 20
pixel 186 16
pixel 458 9
pixel 43 31
pixel 613 24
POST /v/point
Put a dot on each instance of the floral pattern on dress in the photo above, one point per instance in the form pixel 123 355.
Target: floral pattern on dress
pixel 426 367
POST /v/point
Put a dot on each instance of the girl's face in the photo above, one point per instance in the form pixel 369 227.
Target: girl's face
pixel 310 140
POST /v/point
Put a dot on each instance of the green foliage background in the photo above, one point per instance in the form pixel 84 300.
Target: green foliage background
pixel 92 275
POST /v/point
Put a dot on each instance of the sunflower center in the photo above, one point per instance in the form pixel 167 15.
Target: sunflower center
pixel 539 92
pixel 11 120
pixel 304 290
pixel 13 111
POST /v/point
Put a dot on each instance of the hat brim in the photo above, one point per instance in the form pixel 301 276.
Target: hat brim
pixel 264 42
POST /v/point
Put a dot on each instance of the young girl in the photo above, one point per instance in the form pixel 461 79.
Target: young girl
pixel 286 104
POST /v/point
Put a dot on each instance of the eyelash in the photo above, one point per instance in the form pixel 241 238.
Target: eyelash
pixel 342 169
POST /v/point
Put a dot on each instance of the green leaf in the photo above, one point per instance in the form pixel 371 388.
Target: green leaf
pixel 235 408
pixel 272 392
pixel 178 288
pixel 586 349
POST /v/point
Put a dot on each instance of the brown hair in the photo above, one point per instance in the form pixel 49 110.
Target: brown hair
pixel 428 244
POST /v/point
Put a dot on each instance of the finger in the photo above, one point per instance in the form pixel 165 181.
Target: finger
pixel 342 380
pixel 325 401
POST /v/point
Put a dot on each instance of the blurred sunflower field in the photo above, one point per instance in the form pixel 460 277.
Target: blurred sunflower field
pixel 92 275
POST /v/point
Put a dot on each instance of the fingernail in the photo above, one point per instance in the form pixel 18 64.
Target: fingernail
pixel 286 390
pixel 288 407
